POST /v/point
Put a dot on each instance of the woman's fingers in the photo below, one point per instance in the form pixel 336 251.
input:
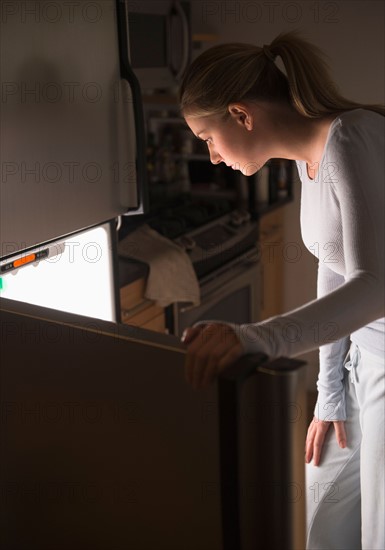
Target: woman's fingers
pixel 316 438
pixel 220 358
pixel 210 348
pixel 192 338
pixel 190 334
pixel 339 427
pixel 319 441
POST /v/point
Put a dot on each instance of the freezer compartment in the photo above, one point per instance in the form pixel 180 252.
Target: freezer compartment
pixel 71 123
pixel 104 445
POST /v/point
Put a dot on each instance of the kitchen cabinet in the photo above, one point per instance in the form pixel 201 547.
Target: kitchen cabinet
pixel 272 263
pixel 138 311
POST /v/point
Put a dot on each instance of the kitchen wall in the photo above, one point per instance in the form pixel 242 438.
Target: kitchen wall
pixel 351 34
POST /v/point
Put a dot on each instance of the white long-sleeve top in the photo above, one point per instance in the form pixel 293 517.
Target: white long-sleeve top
pixel 342 223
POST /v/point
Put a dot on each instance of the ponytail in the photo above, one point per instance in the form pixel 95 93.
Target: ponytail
pixel 229 73
pixel 312 91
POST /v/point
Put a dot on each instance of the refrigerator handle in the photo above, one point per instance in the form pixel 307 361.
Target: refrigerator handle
pixel 255 396
pixel 229 387
pixel 128 74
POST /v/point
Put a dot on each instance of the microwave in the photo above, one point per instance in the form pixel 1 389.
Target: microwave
pixel 159 42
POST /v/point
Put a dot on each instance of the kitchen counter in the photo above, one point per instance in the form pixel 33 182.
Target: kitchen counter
pixel 131 270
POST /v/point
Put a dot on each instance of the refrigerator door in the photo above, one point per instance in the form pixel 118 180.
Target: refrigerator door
pixel 69 120
pixel 104 445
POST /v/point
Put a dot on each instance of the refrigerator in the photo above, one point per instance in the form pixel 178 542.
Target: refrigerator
pixel 72 149
pixel 103 445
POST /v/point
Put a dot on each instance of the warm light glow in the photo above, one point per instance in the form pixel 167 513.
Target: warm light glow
pixel 77 277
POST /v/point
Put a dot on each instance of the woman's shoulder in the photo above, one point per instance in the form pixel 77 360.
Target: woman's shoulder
pixel 359 118
pixel 357 126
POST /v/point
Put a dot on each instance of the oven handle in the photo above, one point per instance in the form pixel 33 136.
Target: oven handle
pixel 185 53
pixel 217 295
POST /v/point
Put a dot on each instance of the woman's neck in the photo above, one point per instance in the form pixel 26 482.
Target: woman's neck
pixel 299 137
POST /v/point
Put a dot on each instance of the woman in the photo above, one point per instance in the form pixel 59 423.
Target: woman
pixel 235 98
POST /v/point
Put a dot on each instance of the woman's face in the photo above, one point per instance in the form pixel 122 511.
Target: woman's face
pixel 241 141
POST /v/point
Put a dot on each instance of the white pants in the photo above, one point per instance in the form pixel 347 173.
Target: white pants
pixel 345 493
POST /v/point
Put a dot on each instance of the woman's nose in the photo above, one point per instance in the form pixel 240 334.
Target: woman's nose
pixel 215 157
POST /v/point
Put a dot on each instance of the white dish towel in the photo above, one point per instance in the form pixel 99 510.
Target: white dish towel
pixel 172 277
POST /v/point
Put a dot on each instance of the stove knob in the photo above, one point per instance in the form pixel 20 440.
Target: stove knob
pixel 246 216
pixel 188 243
pixel 236 219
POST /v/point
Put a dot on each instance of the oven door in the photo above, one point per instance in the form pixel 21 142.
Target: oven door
pixel 230 294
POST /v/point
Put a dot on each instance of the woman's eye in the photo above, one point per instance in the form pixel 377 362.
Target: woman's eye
pixel 208 140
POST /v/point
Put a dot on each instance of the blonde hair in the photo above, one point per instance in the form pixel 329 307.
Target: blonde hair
pixel 233 72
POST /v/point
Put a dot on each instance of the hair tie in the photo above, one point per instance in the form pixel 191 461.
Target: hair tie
pixel 268 54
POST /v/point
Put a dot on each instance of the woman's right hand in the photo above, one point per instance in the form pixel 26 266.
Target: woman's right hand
pixel 210 349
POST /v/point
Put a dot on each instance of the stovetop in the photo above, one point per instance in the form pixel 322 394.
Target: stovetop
pixel 210 230
pixel 187 214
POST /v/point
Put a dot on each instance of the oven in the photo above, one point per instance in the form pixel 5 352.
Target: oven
pixel 231 293
pixel 223 246
pixel 225 255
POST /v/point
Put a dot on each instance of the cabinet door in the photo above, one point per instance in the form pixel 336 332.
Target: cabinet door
pixel 272 264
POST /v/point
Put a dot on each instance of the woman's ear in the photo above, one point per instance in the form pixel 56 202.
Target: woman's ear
pixel 241 114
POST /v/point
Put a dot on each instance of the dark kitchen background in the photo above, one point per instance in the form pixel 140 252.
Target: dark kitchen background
pixel 188 195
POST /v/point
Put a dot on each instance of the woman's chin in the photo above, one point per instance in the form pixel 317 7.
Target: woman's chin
pixel 248 171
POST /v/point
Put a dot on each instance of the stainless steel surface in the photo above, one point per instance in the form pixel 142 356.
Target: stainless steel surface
pixel 263 428
pixel 219 292
pixel 122 453
pixel 67 142
pixel 160 42
pixel 104 445
pixel 279 398
pixel 185 41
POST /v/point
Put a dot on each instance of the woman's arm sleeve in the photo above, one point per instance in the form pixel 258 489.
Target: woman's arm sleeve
pixel 330 404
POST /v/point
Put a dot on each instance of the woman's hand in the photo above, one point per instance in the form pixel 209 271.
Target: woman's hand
pixel 316 436
pixel 210 349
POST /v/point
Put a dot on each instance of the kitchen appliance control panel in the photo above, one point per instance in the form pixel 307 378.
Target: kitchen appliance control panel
pixel 219 241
